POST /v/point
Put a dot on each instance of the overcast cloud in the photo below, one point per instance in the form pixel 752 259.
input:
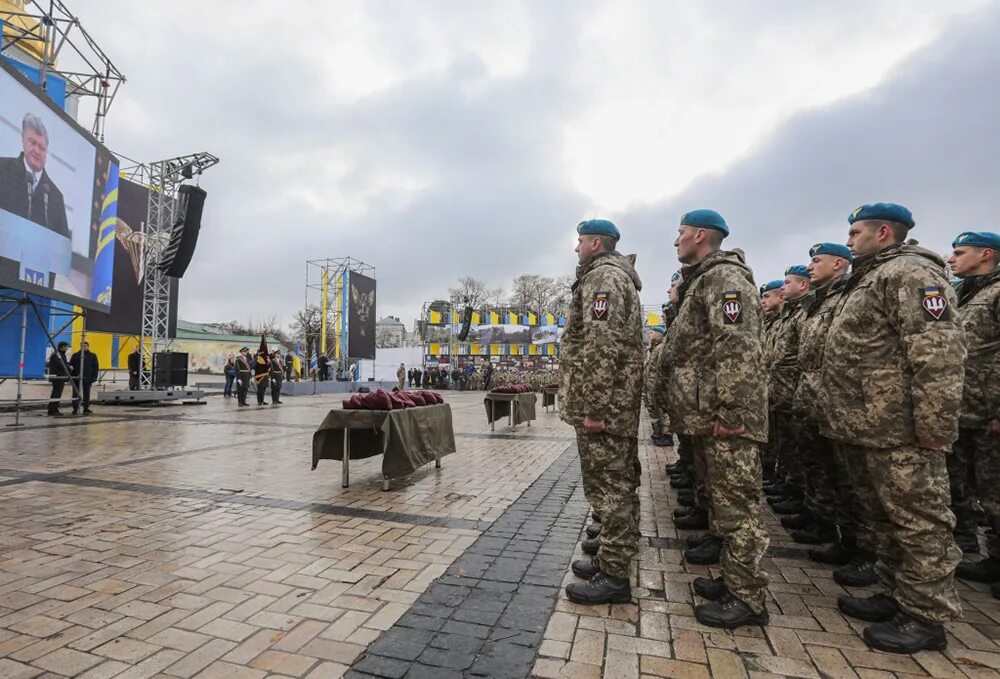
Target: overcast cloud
pixel 436 140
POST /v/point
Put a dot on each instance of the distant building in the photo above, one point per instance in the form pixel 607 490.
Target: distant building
pixel 390 333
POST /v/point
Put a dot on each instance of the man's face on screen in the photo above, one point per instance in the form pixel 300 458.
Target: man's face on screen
pixel 36 149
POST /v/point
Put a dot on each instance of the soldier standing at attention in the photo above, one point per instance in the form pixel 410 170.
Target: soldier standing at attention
pixel 719 394
pixel 893 368
pixel 650 378
pixel 976 260
pixel 601 396
pixel 783 376
pixel 771 303
pixel 277 377
pixel 401 376
pixel 243 371
pixel 261 374
pixel 830 481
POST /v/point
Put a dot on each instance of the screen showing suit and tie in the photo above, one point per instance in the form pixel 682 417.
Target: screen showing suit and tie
pixel 58 200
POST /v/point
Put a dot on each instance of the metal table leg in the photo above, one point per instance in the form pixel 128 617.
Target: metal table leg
pixel 510 415
pixel 346 468
pixel 385 483
pixel 493 414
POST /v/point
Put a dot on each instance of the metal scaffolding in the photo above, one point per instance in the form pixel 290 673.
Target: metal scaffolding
pixel 163 178
pixel 42 31
pixel 326 288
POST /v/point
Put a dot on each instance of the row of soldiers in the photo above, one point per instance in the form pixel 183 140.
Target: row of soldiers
pixel 863 388
pixel 265 369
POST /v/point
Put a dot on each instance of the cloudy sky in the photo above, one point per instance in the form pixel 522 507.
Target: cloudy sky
pixel 435 140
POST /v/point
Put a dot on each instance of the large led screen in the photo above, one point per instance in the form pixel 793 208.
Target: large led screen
pixel 58 199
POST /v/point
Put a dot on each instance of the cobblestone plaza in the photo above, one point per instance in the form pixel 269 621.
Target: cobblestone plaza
pixel 191 542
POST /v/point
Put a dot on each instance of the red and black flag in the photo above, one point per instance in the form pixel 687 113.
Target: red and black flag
pixel 262 365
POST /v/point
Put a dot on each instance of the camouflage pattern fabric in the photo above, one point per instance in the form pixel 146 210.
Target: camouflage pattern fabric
pixel 717 357
pixel 820 472
pixel 734 479
pixel 857 500
pixel 818 306
pixel 913 525
pixel 610 478
pixel 892 373
pixel 979 307
pixel 963 480
pixel 699 476
pixel 783 357
pixel 602 346
pixel 651 378
pixel 893 362
pixel 768 451
pixel 985 453
pixel 786 441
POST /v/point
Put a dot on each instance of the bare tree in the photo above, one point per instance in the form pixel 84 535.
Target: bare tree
pixel 307 327
pixel 473 292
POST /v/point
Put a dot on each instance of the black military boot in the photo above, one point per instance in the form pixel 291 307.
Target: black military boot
pixel 706 554
pixel 797 521
pixel 684 511
pixel 682 482
pixel 697 540
pixel 594 531
pixel 585 568
pixel 969 544
pixel 836 554
pixel 860 572
pixel 600 589
pixel 817 534
pixel 986 570
pixel 674 466
pixel 776 488
pixel 875 608
pixel 590 546
pixel 595 516
pixel 685 499
pixel 657 429
pixel 709 588
pixel 664 441
pixel 787 507
pixel 696 520
pixel 729 613
pixel 906 634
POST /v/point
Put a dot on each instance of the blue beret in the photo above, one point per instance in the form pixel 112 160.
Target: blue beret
pixel 598 227
pixel 891 212
pixel 978 239
pixel 675 277
pixel 835 249
pixel 660 329
pixel 773 285
pixel 798 270
pixel 705 219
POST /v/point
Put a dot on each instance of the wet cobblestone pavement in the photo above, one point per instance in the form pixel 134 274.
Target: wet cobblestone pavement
pixel 194 542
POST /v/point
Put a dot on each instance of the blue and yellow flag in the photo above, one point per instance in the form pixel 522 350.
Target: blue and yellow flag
pixel 104 261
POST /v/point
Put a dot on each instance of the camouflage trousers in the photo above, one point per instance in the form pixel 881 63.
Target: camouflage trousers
pixel 610 467
pixel 977 455
pixel 786 441
pixel 699 471
pixel 820 472
pixel 733 481
pixel 854 497
pixel 962 478
pixel 912 525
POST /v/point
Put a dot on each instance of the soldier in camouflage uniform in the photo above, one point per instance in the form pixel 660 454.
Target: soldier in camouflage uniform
pixel 783 374
pixel 893 368
pixel 976 456
pixel 771 302
pixel 828 481
pixel 601 396
pixel 650 379
pixel 719 394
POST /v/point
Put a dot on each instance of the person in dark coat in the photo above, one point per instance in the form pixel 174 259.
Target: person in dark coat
pixel 323 364
pixel 84 368
pixel 261 375
pixel 243 371
pixel 59 372
pixel 289 362
pixel 230 372
pixel 134 369
pixel 26 189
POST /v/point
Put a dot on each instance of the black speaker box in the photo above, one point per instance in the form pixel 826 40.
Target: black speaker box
pixel 170 369
pixel 177 255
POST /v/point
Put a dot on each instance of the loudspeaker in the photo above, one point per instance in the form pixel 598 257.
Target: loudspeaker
pixel 184 236
pixel 170 369
pixel 466 324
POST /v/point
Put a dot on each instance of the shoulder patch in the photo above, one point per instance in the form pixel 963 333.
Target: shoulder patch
pixel 934 302
pixel 732 307
pixel 601 305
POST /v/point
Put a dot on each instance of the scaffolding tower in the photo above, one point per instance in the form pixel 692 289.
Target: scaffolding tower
pixel 327 282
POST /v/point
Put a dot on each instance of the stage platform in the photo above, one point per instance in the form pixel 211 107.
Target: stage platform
pixel 132 397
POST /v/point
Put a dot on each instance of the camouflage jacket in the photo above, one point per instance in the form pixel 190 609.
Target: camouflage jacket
pixel 818 306
pixel 716 351
pixel 767 334
pixel 601 355
pixel 783 357
pixel 651 373
pixel 979 307
pixel 893 362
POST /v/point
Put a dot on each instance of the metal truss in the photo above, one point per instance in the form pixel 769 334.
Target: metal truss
pixel 163 178
pixel 327 273
pixel 44 29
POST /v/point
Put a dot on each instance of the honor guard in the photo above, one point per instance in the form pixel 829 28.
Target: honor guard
pixel 243 373
pixel 277 376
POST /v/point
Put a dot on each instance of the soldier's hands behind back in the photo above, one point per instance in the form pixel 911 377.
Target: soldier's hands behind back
pixel 592 426
pixel 721 431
